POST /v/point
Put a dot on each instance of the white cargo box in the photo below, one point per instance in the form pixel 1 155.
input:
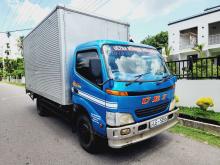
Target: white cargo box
pixel 49 48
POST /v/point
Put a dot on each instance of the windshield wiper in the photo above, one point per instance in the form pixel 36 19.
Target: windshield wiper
pixel 165 78
pixel 103 83
pixel 138 77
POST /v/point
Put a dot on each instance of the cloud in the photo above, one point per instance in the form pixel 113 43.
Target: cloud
pixel 149 9
pixel 28 12
pixel 82 4
pixel 128 10
pixel 111 8
pixel 23 14
pixel 117 9
pixel 31 12
pixel 133 65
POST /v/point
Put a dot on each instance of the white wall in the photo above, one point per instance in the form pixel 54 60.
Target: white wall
pixel 190 90
pixel 200 22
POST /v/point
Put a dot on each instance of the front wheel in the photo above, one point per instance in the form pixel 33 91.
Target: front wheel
pixel 88 140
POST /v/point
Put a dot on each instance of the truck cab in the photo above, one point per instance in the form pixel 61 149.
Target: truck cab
pixel 125 90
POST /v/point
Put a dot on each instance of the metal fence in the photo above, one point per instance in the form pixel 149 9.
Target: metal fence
pixel 200 68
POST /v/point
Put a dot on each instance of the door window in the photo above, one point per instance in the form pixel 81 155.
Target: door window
pixel 82 65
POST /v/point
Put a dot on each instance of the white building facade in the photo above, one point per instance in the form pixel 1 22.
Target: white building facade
pixel 203 28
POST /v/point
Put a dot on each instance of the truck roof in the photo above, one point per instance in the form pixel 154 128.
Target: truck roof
pixel 78 12
pixel 99 43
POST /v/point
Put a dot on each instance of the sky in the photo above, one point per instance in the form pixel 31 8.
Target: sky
pixel 146 17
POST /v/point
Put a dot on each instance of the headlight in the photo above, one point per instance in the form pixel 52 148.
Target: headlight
pixel 118 119
pixel 172 105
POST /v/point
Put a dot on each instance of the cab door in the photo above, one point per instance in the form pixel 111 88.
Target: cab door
pixel 87 89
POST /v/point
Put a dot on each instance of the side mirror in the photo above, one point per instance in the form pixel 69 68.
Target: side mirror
pixel 95 67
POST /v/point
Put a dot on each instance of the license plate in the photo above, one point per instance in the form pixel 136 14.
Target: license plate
pixel 158 122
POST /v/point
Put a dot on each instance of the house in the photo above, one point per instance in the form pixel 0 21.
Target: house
pixel 203 28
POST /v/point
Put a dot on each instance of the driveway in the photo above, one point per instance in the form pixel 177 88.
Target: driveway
pixel 26 138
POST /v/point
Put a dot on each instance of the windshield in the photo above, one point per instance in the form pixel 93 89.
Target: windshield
pixel 126 63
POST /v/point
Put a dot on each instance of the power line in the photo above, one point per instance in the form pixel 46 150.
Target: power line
pixel 17 30
pixel 8 13
pixel 93 5
pixel 86 6
pixel 103 4
pixel 18 21
pixel 13 15
pixel 80 6
pixel 97 4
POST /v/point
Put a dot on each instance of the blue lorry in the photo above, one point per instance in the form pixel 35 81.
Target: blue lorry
pixel 119 91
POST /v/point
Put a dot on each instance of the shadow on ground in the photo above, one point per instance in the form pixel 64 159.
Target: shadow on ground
pixel 130 153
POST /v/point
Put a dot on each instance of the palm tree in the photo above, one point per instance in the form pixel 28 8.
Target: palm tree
pixel 199 49
pixel 20 44
pixel 167 50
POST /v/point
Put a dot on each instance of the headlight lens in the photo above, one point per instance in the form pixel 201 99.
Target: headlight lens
pixel 172 105
pixel 118 119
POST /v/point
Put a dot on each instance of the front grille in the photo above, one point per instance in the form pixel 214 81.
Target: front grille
pixel 151 110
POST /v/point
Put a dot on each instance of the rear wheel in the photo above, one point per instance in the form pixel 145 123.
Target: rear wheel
pixel 88 140
pixel 40 110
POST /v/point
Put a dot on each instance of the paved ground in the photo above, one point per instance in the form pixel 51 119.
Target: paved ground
pixel 26 138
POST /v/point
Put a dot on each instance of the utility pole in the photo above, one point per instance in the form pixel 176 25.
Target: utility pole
pixel 3 61
pixel 8 48
pixel 4 53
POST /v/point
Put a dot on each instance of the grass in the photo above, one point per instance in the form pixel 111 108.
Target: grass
pixel 13 83
pixel 197 112
pixel 196 134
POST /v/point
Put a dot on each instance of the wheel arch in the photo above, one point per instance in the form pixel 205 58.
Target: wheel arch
pixel 82 106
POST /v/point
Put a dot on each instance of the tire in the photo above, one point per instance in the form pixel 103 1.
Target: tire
pixel 40 110
pixel 88 140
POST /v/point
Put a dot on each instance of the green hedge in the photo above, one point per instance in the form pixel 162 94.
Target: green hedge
pixel 197 112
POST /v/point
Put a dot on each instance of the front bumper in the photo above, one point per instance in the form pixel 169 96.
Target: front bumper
pixel 116 140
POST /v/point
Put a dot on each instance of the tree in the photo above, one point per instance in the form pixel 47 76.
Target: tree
pixel 20 44
pixel 13 68
pixel 167 50
pixel 9 67
pixel 159 40
pixel 199 49
pixel 19 71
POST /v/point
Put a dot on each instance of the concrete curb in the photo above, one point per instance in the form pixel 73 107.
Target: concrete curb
pixel 200 125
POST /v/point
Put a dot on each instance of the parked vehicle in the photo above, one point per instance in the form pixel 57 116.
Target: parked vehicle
pixel 109 89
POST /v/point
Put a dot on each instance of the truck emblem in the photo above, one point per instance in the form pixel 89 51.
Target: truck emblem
pixel 146 100
pixel 156 99
pixel 164 96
